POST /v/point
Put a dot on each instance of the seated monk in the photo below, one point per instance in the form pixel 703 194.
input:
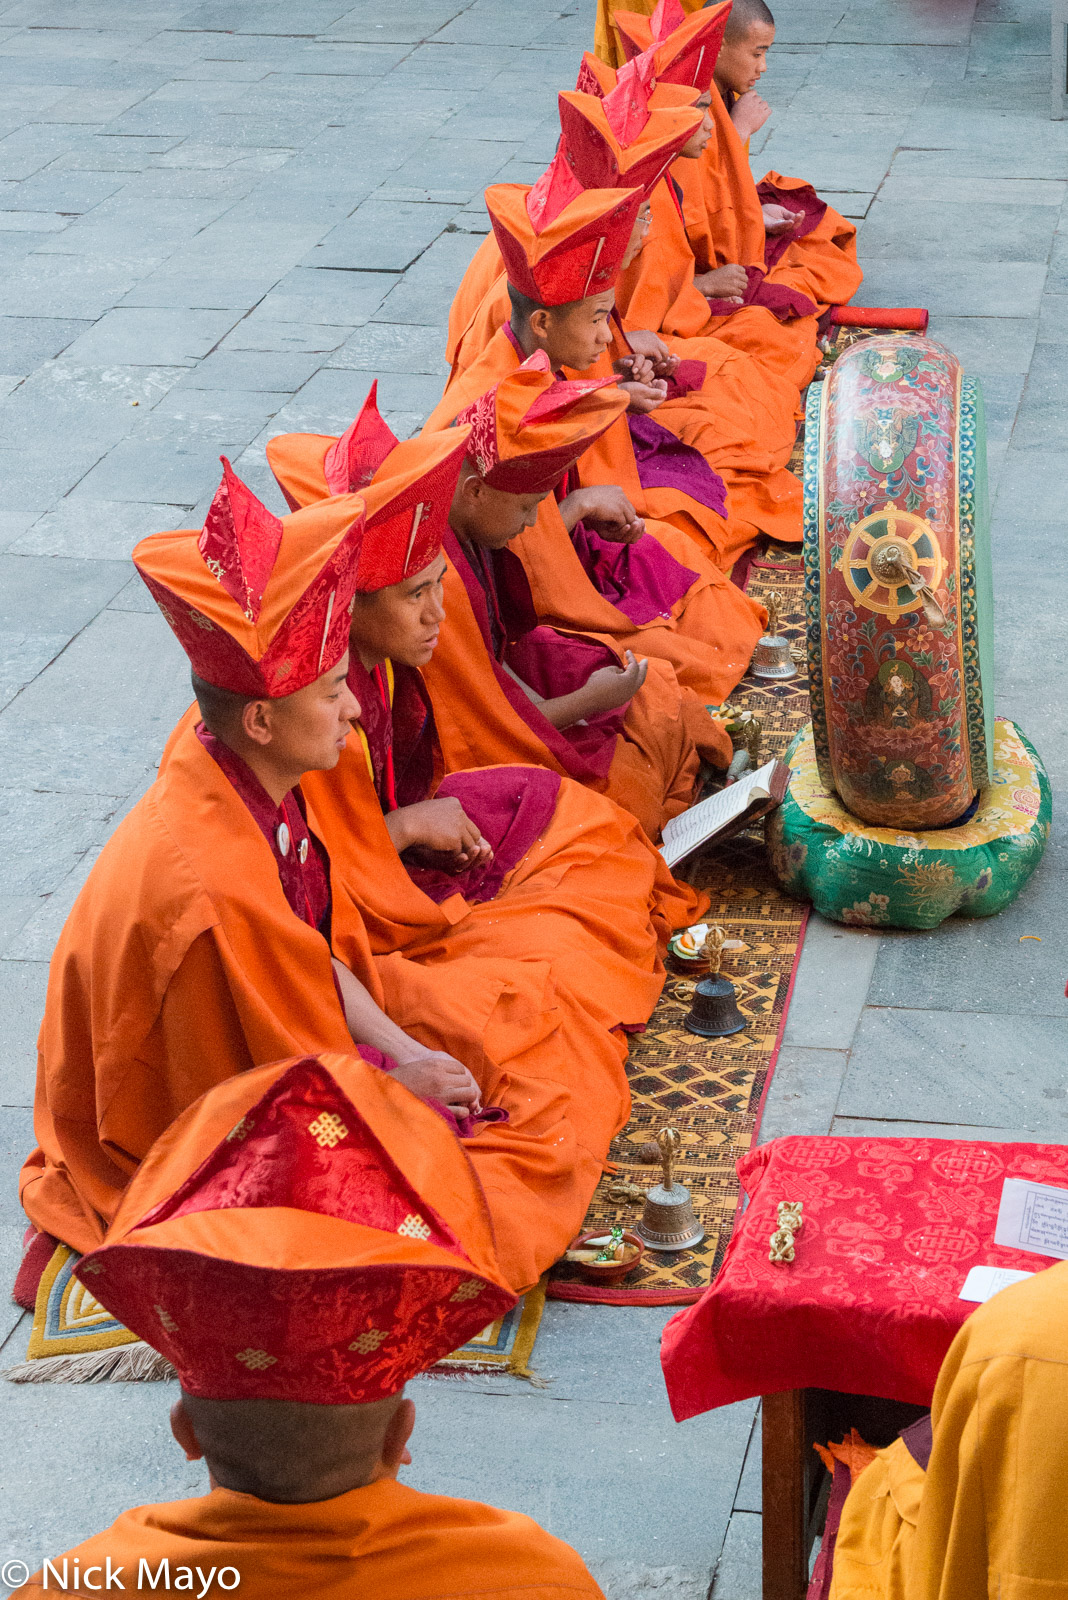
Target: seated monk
pixel 592 562
pixel 299 1244
pixel 742 417
pixel 733 416
pixel 968 1506
pixel 198 946
pixel 633 724
pixel 770 257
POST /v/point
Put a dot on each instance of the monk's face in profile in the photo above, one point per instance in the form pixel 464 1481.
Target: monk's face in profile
pixel 574 335
pixel 695 144
pixel 400 623
pixel 303 732
pixel 638 233
pixel 743 62
pixel 489 517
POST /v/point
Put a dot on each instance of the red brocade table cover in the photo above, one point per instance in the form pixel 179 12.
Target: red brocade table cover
pixel 871 1302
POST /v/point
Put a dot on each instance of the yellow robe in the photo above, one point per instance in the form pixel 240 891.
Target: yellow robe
pixel 987 1518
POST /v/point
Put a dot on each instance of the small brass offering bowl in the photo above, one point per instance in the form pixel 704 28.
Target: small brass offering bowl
pixel 606 1271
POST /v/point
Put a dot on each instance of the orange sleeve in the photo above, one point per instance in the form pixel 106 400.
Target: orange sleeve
pixel 197 1042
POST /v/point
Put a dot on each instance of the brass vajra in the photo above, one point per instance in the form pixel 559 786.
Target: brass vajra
pixel 790 1222
pixel 782 1246
pixel 712 949
pixel 622 1189
pixel 670 1142
pixel 746 731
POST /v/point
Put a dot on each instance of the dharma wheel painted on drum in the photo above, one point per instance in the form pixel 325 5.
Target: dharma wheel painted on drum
pixel 897 572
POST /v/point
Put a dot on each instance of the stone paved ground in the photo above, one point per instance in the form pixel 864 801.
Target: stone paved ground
pixel 222 220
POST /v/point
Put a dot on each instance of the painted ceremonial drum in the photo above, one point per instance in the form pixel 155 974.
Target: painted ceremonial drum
pixel 898 585
pixel 891 877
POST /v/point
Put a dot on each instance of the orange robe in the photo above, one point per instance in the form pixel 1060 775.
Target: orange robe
pixel 709 634
pixel 591 900
pixel 742 419
pixel 725 226
pixel 530 990
pixel 384 1541
pixel 656 760
pixel 657 291
pixel 708 637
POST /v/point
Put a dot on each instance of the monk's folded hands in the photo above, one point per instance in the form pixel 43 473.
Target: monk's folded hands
pixel 778 220
pixel 644 342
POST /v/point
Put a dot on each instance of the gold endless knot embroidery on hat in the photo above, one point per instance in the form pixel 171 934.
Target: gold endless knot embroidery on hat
pixel 413 1227
pixel 328 1130
pixel 255 1360
pixel 368 1342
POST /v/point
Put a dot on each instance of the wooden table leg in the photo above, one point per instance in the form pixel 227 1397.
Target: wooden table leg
pixel 785 1495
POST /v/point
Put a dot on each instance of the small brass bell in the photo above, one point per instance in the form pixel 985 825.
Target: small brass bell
pixel 772 658
pixel 668 1221
pixel 714 1013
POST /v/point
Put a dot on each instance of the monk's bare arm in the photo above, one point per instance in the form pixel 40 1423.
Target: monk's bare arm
pixel 431 1074
pixel 605 508
pixel 440 826
pixel 563 711
pixel 604 690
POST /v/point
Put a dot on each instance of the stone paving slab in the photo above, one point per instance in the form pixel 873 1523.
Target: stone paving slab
pixel 223 219
pixel 994 1068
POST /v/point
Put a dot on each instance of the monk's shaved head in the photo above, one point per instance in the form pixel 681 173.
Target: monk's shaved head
pixel 220 709
pixel 743 14
pixel 290 1452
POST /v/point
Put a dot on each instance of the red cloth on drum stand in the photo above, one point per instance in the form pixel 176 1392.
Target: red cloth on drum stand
pixel 870 1303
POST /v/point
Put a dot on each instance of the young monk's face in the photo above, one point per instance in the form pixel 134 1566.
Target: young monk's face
pixel 400 623
pixel 489 517
pixel 304 732
pixel 743 62
pixel 575 335
pixel 695 144
pixel 638 234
